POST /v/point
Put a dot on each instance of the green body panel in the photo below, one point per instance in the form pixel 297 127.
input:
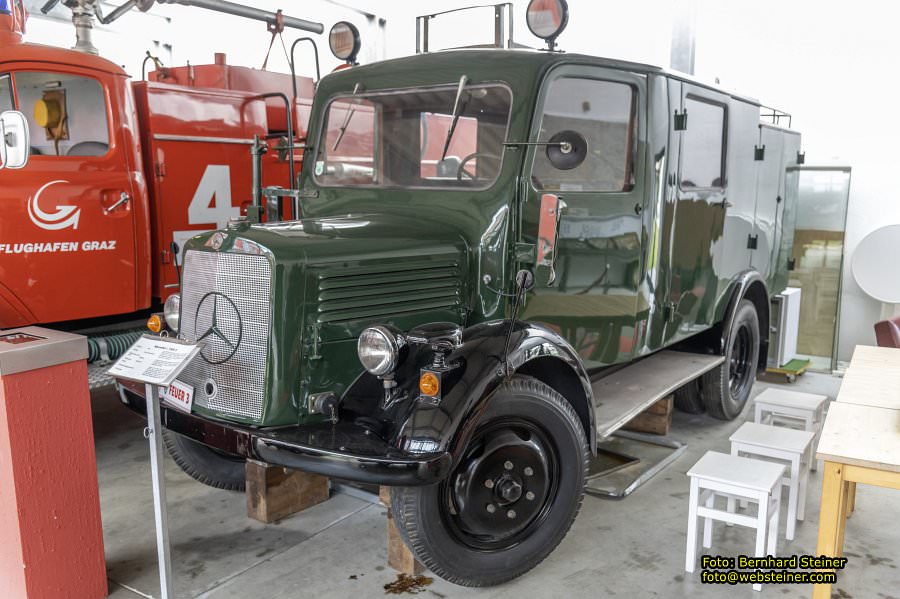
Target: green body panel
pixel 636 269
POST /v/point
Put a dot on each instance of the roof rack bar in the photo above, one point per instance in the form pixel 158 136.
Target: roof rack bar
pixel 503 25
pixel 774 116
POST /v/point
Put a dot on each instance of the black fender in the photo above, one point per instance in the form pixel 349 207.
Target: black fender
pixel 419 426
pixel 750 285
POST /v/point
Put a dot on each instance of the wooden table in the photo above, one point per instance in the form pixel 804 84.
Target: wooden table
pixel 873 378
pixel 860 443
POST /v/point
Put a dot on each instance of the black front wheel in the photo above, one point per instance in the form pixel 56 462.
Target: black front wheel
pixel 511 498
pixel 725 389
pixel 205 464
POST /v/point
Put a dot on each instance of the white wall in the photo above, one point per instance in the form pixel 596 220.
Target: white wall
pixel 830 63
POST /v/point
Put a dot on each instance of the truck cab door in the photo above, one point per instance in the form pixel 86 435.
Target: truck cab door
pixel 67 227
pixel 588 291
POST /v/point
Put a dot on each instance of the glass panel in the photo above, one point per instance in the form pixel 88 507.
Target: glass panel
pixel 818 255
pixel 66 114
pixel 601 111
pixel 6 97
pixel 397 139
pixel 702 145
pixel 349 149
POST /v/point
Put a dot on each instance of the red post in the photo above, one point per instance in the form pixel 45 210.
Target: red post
pixel 51 538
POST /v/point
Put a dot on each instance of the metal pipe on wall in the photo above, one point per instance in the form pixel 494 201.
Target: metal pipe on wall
pixel 248 12
pixel 684 36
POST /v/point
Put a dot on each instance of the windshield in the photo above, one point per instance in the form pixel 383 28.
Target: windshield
pixel 396 139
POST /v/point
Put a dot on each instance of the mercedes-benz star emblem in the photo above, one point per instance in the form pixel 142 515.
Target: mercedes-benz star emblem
pixel 225 327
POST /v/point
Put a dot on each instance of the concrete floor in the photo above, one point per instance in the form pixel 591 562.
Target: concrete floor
pixel 632 548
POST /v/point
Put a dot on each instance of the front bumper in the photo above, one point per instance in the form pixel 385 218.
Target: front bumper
pixel 343 450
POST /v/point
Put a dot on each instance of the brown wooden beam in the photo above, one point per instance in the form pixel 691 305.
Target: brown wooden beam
pixel 274 493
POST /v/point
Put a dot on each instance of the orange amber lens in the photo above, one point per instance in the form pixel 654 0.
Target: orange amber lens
pixel 154 323
pixel 429 384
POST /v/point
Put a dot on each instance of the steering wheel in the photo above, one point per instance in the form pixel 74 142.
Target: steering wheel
pixel 461 170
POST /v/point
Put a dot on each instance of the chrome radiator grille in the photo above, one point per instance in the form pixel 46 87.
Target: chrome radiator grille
pixel 225 302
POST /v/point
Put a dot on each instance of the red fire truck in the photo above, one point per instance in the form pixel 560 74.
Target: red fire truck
pixel 120 173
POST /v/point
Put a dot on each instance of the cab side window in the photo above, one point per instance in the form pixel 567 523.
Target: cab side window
pixel 66 113
pixel 703 145
pixel 6 97
pixel 604 113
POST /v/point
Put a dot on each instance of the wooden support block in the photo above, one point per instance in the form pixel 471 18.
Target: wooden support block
pixel 656 419
pixel 274 493
pixel 400 557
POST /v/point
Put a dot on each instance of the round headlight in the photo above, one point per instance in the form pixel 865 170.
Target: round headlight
pixel 379 350
pixel 344 41
pixel 172 311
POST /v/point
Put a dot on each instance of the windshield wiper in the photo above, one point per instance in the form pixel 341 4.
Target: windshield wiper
pixel 343 127
pixel 456 110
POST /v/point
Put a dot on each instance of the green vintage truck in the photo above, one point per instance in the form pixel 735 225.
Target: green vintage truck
pixel 504 255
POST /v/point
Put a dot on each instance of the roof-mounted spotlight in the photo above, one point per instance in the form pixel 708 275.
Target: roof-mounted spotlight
pixel 546 19
pixel 344 41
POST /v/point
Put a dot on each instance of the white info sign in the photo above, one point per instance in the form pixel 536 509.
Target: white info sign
pixel 154 360
pixel 179 396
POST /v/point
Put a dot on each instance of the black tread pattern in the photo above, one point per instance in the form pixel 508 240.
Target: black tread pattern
pixel 196 471
pixel 715 384
pixel 403 500
pixel 688 400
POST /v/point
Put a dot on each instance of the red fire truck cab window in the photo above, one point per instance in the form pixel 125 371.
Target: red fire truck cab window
pixel 66 113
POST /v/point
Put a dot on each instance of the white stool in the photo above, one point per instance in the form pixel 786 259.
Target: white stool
pixel 734 477
pixel 807 408
pixel 784 444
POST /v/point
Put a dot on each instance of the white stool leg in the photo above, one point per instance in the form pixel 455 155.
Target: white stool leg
pixel 773 522
pixel 793 497
pixel 736 452
pixel 817 429
pixel 730 504
pixel 762 525
pixel 809 425
pixel 757 415
pixel 804 484
pixel 691 556
pixel 708 522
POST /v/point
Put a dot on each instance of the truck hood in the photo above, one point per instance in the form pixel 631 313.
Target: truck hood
pixel 337 275
pixel 352 237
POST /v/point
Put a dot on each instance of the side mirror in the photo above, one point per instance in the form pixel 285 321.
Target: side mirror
pixel 548 232
pixel 14 141
pixel 567 150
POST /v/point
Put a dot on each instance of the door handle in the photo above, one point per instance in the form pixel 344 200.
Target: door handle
pixel 123 199
pixel 560 208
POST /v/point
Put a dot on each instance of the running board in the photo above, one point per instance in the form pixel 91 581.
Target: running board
pixel 626 393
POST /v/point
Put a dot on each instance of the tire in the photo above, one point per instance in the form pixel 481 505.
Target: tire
pixel 206 465
pixel 725 389
pixel 528 441
pixel 688 400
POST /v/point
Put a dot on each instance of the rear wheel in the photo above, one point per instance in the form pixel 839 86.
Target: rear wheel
pixel 724 390
pixel 206 465
pixel 688 400
pixel 512 497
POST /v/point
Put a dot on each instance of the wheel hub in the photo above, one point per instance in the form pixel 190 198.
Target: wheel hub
pixel 508 490
pixel 502 485
pixel 740 361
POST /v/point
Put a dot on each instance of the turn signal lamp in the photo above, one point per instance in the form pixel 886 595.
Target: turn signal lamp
pixel 154 323
pixel 429 384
